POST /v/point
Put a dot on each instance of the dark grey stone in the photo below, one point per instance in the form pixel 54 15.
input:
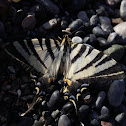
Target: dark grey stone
pixel 100 99
pixel 115 51
pixel 116 93
pixel 55 114
pixel 94 20
pixel 68 108
pixel 83 16
pixel 50 24
pixel 104 113
pixel 102 42
pixel 76 25
pixel 98 31
pixel 83 111
pixel 64 121
pixel 113 38
pixel 38 123
pixel 120 117
pixel 53 99
pixel 107 28
pixel 104 20
pixel 25 121
pixel 95 122
pixel 50 6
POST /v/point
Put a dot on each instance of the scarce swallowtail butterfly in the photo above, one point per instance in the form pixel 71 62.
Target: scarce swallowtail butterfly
pixel 77 63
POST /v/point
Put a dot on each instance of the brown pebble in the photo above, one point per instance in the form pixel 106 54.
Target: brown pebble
pixel 103 123
pixel 116 21
pixel 29 22
pixel 16 1
pixel 4 7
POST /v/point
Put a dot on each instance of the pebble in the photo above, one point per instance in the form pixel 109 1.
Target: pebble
pixel 115 51
pixel 116 93
pixel 53 99
pixel 107 28
pixel 94 20
pixel 94 122
pixel 102 42
pixel 50 24
pixel 64 121
pixel 2 30
pixel 123 10
pixel 50 6
pixel 90 39
pixel 103 123
pixel 64 24
pixel 76 25
pixel 104 113
pixel 4 7
pixel 80 34
pixel 113 38
pixel 83 16
pixel 55 114
pixel 121 29
pixel 68 108
pixel 37 123
pixel 16 1
pixel 29 22
pixel 83 111
pixel 77 39
pixel 98 31
pixel 25 121
pixel 120 117
pixel 100 99
pixel 104 20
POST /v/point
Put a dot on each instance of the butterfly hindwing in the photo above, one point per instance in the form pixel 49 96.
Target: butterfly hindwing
pixel 89 64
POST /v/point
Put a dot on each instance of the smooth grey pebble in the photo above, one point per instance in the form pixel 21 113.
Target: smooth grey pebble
pixel 98 31
pixel 100 99
pixel 116 93
pixel 64 121
pixel 104 20
pixel 76 25
pixel 50 24
pixel 83 16
pixel 83 111
pixel 115 51
pixel 77 39
pixel 50 6
pixel 53 99
pixel 120 117
pixel 94 20
pixel 113 38
pixel 102 41
pixel 104 113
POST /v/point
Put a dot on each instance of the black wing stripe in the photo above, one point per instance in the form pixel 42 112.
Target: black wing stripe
pixel 97 58
pixel 12 49
pixel 34 52
pixel 57 44
pixel 79 54
pixel 48 45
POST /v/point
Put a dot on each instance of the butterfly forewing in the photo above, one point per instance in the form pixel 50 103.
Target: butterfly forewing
pixel 35 52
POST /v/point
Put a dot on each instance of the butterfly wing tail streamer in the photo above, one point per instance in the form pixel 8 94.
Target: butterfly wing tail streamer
pixel 90 65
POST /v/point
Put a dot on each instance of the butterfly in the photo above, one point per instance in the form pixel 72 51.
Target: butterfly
pixel 77 63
